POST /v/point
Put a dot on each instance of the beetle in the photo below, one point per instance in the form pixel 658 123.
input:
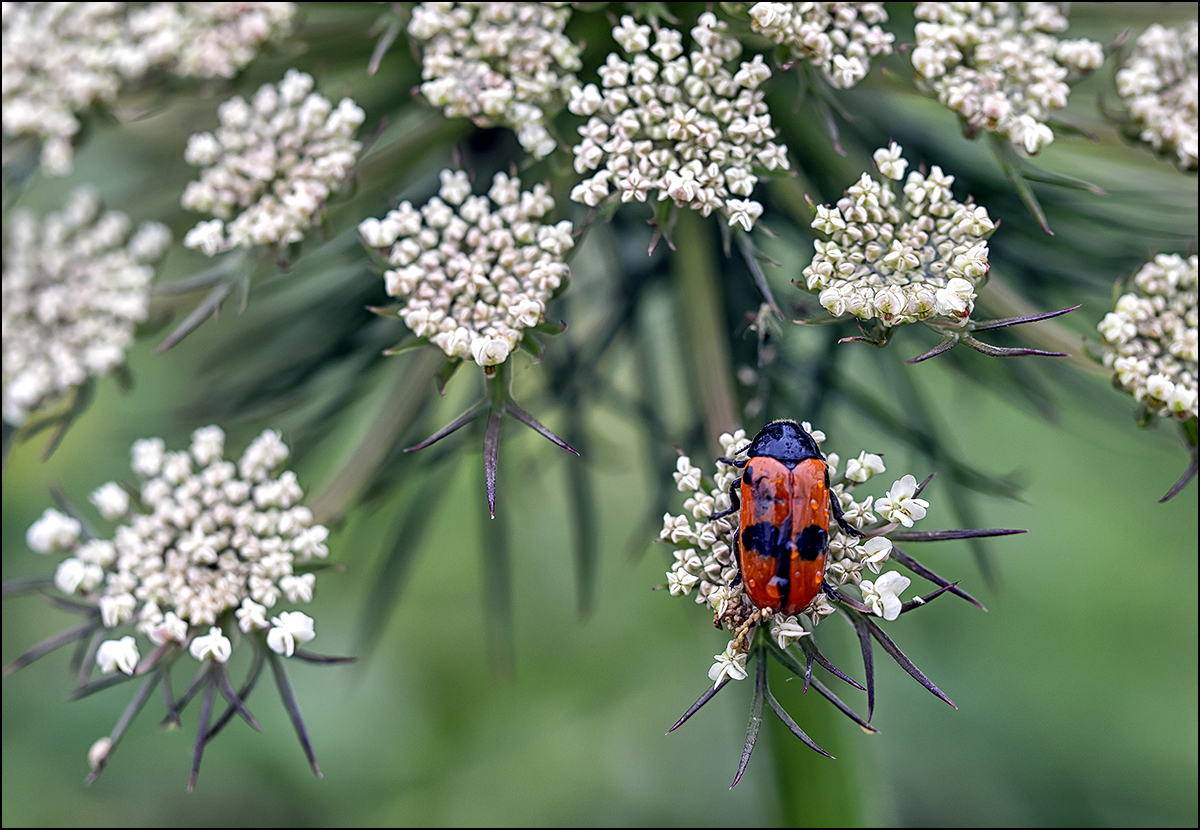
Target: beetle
pixel 783 500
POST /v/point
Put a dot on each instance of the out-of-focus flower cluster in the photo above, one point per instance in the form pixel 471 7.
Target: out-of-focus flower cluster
pixel 706 555
pixel 500 64
pixel 666 124
pixel 838 38
pixel 916 259
pixel 1000 66
pixel 61 59
pixel 1150 337
pixel 271 167
pixel 202 541
pixel 1158 84
pixel 75 285
pixel 473 271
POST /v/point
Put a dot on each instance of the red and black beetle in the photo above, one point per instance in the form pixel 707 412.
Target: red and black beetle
pixel 783 530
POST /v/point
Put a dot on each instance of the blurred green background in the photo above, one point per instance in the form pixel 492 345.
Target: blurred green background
pixel 1076 689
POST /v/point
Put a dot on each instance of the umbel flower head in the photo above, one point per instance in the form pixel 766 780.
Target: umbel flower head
pixel 203 553
pixel 1000 65
pixel 60 59
pixel 854 583
pixel 668 124
pixel 474 273
pixel 271 167
pixel 75 285
pixel 1158 85
pixel 1149 341
pixel 1149 338
pixel 838 38
pixel 901 258
pixel 499 64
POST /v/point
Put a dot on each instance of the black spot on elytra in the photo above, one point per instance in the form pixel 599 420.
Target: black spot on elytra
pixel 765 539
pixel 812 543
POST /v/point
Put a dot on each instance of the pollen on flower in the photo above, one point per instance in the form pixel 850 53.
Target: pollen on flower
pixel 1149 339
pixel 208 537
pixel 76 283
pixel 900 257
pixel 500 64
pixel 60 59
pixel 666 124
pixel 1158 85
pixel 271 167
pixel 473 272
pixel 1000 65
pixel 838 38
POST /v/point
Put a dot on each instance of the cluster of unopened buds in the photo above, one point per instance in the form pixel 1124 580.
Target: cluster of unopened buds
pixel 1000 65
pixel 669 124
pixel 901 259
pixel 76 283
pixel 500 64
pixel 474 273
pixel 1158 85
pixel 60 59
pixel 838 38
pixel 1149 338
pixel 203 552
pixel 271 167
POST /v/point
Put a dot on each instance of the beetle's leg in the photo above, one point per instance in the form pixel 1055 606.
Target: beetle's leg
pixel 735 500
pixel 836 505
pixel 829 589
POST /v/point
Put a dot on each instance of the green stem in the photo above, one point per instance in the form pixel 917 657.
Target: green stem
pixel 702 314
pixel 497 383
pixel 814 791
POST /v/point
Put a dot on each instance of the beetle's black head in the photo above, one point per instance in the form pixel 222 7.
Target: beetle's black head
pixel 785 441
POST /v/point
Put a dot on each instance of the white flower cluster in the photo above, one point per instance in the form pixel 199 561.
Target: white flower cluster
pixel 216 537
pixel 838 38
pixel 999 66
pixel 75 285
pixel 706 555
pixel 60 59
pixel 500 64
pixel 674 125
pixel 473 271
pixel 1158 84
pixel 274 163
pixel 1150 338
pixel 918 259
